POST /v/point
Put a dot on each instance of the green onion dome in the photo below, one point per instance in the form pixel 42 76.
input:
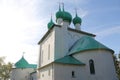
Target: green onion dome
pixel 67 16
pixel 77 20
pixel 50 24
pixel 64 15
pixel 59 14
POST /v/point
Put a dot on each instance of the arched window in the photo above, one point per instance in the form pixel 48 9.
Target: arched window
pixel 92 68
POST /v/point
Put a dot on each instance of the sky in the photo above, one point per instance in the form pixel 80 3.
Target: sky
pixel 24 22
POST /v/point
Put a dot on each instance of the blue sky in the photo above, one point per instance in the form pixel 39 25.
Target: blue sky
pixel 24 22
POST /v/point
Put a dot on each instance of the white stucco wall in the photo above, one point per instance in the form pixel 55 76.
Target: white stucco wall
pixel 64 72
pixel 64 39
pixel 103 62
pixel 21 74
pixel 72 37
pixel 46 73
pixel 60 40
pixel 44 52
pixel 61 45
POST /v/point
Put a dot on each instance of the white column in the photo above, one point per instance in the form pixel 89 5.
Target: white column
pixel 77 26
pixel 59 21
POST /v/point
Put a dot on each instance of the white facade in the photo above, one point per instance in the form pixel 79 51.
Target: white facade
pixel 21 74
pixel 46 73
pixel 22 70
pixel 103 62
pixel 58 42
pixel 64 72
pixel 47 50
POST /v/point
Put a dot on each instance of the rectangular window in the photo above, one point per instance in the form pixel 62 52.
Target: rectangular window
pixel 49 52
pixel 39 75
pixel 41 56
pixel 49 72
pixel 42 75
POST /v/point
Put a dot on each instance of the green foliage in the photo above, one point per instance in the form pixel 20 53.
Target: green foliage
pixel 117 64
pixel 1 60
pixel 5 69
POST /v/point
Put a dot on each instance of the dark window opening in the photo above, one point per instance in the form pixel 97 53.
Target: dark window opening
pixel 73 74
pixel 92 68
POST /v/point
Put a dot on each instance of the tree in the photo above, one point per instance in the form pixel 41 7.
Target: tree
pixel 5 69
pixel 117 64
pixel 1 60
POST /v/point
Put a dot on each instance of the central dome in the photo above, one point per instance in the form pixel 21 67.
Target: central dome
pixel 67 16
pixel 59 14
pixel 64 15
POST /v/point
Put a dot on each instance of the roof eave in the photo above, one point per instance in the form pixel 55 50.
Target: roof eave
pixel 91 50
pixel 69 63
pixel 79 31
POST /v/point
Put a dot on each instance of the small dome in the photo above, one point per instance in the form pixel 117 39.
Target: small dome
pixel 22 63
pixel 77 20
pixel 59 14
pixel 67 16
pixel 50 24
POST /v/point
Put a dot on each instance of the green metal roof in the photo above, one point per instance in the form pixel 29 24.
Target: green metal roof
pixel 68 60
pixel 32 66
pixel 22 63
pixel 87 43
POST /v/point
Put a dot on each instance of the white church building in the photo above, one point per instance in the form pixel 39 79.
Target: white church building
pixel 22 70
pixel 72 54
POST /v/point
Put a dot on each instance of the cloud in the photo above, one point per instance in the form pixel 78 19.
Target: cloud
pixel 109 31
pixel 19 29
pixel 23 23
